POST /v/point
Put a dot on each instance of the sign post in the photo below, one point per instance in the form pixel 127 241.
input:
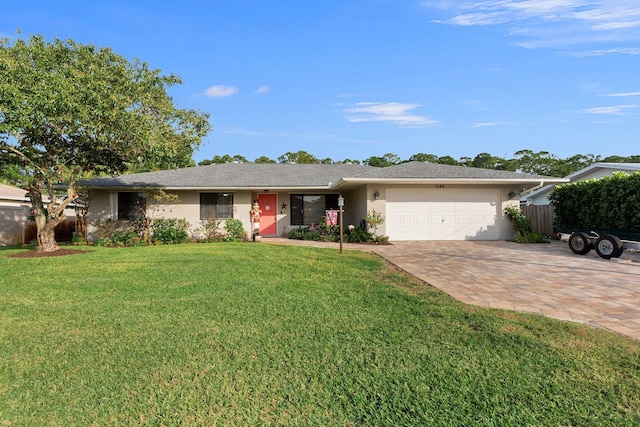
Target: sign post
pixel 340 205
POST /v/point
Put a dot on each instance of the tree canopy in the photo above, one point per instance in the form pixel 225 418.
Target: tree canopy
pixel 224 159
pixel 69 110
pixel 299 157
pixel 526 161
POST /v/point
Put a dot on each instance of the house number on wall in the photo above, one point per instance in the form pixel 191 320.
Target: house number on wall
pixel 439 185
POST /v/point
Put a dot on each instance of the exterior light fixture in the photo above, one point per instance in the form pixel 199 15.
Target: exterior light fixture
pixel 376 195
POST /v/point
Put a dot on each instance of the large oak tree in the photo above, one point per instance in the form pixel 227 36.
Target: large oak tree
pixel 69 110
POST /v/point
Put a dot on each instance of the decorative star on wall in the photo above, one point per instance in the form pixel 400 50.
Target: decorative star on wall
pixel 283 206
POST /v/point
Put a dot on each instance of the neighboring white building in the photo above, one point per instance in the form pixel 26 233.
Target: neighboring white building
pixel 15 226
pixel 14 208
pixel 597 170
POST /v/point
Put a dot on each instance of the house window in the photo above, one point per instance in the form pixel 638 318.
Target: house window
pixel 216 205
pixel 131 205
pixel 307 209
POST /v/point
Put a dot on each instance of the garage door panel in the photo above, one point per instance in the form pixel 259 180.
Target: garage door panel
pixel 422 221
pixel 442 214
pixel 449 208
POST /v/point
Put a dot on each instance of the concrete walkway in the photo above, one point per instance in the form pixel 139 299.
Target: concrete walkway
pixel 547 279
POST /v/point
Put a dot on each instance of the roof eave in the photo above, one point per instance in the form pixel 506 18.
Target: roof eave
pixel 15 199
pixel 206 188
pixel 474 181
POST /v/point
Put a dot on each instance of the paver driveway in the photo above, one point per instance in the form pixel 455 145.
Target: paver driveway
pixel 547 279
pixel 540 278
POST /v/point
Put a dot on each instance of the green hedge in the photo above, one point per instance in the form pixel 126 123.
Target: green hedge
pixel 611 202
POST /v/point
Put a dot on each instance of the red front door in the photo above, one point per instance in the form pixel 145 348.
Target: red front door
pixel 269 220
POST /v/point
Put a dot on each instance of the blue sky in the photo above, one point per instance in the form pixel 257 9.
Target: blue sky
pixel 355 79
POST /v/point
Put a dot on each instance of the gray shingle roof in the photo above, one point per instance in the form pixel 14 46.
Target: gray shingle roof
pixel 11 192
pixel 236 175
pixel 425 170
pixel 287 175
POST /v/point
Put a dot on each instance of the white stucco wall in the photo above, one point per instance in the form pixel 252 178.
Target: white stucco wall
pixel 378 205
pixel 103 205
pixel 356 205
pixel 99 209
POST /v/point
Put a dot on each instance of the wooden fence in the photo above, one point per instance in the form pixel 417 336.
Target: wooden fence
pixel 64 231
pixel 541 217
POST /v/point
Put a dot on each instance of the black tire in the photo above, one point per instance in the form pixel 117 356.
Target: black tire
pixel 609 246
pixel 619 244
pixel 580 243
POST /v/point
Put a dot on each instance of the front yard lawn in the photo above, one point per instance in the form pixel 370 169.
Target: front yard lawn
pixel 262 334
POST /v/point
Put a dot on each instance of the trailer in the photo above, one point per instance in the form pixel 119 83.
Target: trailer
pixel 606 242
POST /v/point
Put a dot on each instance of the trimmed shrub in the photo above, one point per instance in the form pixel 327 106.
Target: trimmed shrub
pixel 211 230
pixel 331 233
pixel 234 230
pixel 611 202
pixel 170 230
pixel 356 235
pixel 117 233
pixel 305 233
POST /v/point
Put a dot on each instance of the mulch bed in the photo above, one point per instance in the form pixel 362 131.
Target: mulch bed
pixel 36 254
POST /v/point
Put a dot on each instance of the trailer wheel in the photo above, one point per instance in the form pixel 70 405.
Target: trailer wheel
pixel 609 246
pixel 580 243
pixel 620 247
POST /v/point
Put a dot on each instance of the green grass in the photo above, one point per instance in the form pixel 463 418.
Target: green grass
pixel 260 334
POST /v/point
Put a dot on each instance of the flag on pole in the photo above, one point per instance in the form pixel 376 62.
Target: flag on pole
pixel 332 217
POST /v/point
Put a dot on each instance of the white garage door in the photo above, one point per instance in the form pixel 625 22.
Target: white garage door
pixel 442 214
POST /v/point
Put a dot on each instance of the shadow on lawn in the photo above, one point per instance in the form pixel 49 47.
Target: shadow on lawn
pixel 35 254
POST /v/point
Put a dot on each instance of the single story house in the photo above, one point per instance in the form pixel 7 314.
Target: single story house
pixel 419 201
pixel 596 170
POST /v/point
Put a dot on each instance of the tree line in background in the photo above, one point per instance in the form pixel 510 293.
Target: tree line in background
pixel 527 161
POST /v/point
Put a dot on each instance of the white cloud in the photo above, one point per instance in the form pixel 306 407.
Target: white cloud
pixel 631 51
pixel 549 22
pixel 263 89
pixel 622 94
pixel 221 91
pixel 494 12
pixel 611 110
pixel 489 124
pixel 393 112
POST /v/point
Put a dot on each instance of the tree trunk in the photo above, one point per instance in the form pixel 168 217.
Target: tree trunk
pixel 47 238
pixel 45 224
